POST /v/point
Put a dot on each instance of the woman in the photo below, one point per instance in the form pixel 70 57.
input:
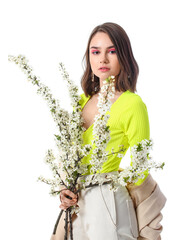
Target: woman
pixel 105 214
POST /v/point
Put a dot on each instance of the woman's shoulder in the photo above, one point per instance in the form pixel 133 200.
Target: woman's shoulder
pixel 82 95
pixel 130 103
pixel 132 99
pixel 133 96
pixel 83 99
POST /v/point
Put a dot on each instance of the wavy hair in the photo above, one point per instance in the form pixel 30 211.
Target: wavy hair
pixel 128 75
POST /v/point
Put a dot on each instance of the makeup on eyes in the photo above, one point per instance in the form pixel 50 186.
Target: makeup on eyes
pixel 94 51
pixel 112 50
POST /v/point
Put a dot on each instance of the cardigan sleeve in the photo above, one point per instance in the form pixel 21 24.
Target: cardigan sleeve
pixel 137 124
pixel 148 201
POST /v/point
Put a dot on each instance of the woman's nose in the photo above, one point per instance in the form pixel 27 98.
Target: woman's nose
pixel 103 59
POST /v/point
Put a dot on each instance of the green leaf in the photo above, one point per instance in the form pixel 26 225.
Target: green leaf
pixel 75 173
pixel 57 136
pixel 162 166
pixel 126 179
pixel 107 128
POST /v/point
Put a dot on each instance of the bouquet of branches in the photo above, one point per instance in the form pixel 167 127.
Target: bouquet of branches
pixel 70 145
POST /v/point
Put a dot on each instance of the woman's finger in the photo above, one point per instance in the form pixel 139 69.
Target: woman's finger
pixel 68 201
pixel 65 205
pixel 68 193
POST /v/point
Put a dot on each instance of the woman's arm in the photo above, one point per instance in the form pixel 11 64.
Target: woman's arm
pixel 137 126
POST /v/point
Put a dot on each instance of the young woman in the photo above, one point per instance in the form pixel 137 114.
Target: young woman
pixel 105 214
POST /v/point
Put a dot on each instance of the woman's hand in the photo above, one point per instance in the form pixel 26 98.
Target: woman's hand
pixel 65 201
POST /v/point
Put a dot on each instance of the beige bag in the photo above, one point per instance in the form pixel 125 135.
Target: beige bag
pixel 148 201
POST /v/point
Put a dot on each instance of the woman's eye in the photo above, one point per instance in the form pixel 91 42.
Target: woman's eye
pixel 112 51
pixel 95 52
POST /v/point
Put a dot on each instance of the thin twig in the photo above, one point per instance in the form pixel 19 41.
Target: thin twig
pixel 66 226
pixel 122 150
pixel 57 222
pixel 63 183
pixel 70 221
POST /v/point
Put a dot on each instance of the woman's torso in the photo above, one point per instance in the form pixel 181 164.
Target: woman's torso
pixel 128 124
pixel 90 110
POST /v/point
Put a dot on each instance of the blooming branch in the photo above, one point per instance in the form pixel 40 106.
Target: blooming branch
pixel 141 161
pixel 69 141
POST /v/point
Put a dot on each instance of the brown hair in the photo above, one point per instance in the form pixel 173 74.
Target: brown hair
pixel 127 78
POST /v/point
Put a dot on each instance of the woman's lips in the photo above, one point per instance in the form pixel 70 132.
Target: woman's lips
pixel 104 69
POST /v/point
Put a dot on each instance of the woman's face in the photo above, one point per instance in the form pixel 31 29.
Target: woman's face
pixel 102 56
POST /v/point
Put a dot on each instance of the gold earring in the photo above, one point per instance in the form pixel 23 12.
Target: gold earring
pixel 92 77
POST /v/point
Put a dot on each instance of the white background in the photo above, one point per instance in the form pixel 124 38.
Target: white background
pixel 48 32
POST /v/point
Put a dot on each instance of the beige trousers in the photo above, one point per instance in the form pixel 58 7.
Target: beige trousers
pixel 103 215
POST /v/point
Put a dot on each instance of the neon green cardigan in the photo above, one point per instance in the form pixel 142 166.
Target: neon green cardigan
pixel 129 124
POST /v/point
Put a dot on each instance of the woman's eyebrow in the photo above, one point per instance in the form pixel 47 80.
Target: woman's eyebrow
pixel 99 47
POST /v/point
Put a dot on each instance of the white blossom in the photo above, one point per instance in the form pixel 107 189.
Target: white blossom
pixel 141 161
pixel 69 139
